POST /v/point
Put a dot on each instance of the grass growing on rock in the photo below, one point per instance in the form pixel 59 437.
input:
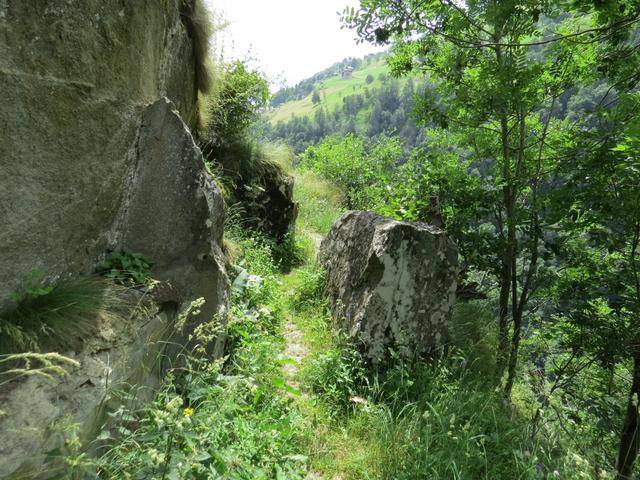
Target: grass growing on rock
pixel 61 315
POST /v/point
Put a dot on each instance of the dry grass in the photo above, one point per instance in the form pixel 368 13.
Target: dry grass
pixel 200 28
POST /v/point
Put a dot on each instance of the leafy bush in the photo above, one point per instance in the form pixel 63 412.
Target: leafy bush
pixel 238 96
pixel 361 169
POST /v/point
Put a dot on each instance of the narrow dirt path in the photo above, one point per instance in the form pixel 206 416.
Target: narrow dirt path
pixel 295 350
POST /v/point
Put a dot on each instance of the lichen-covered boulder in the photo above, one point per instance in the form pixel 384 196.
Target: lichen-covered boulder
pixel 391 284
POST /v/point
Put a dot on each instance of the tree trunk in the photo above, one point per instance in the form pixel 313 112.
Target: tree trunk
pixel 629 438
pixel 513 355
pixel 507 253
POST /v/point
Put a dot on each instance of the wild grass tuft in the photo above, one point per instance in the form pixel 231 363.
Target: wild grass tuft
pixel 199 28
pixel 245 162
pixel 61 316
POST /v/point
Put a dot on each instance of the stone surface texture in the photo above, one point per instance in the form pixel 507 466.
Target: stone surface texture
pixel 269 206
pixel 37 410
pixel 391 284
pixel 173 212
pixel 75 78
pixel 96 155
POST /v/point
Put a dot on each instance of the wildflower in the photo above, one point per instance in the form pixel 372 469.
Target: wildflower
pixel 174 404
pixel 188 412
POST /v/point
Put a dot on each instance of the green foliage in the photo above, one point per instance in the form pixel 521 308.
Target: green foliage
pixel 126 268
pixel 361 169
pixel 416 419
pixel 60 315
pixel 231 418
pixel 238 96
pixel 310 287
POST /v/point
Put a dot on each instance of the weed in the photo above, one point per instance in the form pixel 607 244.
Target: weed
pixel 44 365
pixel 230 418
pixel 126 268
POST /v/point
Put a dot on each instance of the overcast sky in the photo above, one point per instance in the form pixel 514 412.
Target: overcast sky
pixel 290 39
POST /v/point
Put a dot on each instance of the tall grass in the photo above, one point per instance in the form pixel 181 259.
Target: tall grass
pixel 320 202
pixel 416 419
pixel 244 162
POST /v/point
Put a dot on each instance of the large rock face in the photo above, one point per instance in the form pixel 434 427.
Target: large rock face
pixel 391 283
pixel 75 78
pixel 172 211
pixel 95 156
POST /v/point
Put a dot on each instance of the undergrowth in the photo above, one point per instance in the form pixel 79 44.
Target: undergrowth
pixel 231 418
pixel 417 419
pixel 239 418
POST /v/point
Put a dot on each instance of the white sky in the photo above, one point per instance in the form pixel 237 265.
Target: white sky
pixel 289 40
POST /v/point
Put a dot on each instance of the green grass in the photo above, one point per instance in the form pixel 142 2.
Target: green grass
pixel 416 420
pixel 320 202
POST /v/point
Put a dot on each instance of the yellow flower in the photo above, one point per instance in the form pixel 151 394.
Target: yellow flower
pixel 188 412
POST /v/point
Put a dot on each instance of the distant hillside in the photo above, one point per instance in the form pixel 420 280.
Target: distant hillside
pixel 354 95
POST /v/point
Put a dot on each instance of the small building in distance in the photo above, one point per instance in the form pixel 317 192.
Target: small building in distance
pixel 347 73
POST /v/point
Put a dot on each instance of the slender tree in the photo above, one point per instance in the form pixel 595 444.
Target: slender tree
pixel 501 79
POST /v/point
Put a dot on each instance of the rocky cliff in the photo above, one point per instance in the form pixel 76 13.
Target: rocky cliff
pixel 96 154
pixel 76 80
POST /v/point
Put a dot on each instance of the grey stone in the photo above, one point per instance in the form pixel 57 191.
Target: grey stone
pixel 122 357
pixel 173 212
pixel 269 206
pixel 392 284
pixel 74 79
